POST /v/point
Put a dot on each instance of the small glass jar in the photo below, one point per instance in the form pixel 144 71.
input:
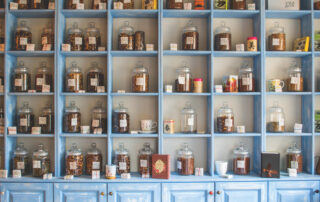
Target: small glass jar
pixel 185 161
pixel 99 119
pixel 238 4
pixel 252 43
pixel 225 119
pixel 145 161
pixel 198 85
pixel 21 78
pixel 295 80
pixel 93 159
pixel 75 37
pixel 92 38
pixel 241 160
pixel 174 4
pixel 74 161
pixel 47 38
pixel 21 159
pixel 127 4
pixel 23 4
pixel 222 38
pixel 73 4
pixel 95 78
pixel 294 158
pixel 99 4
pixel 190 37
pixel 40 162
pixel 1 117
pixel 277 38
pixel 316 5
pixel 183 82
pixel 140 79
pixel 126 37
pixel 37 4
pixel 23 36
pixel 46 120
pixel 74 78
pixel 149 4
pixel 120 119
pixel 25 119
pixel 72 119
pixel 188 119
pixel 246 78
pixel 276 119
pixel 122 160
pixel 139 41
pixel 43 80
pixel 230 84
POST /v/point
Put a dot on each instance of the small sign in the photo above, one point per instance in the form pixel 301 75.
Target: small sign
pixel 46 88
pixel 149 47
pixel 30 47
pixel 240 47
pixel 80 6
pixel 198 172
pixel 16 173
pixel 168 88
pixel 45 176
pixel 252 6
pixel 36 130
pixel 51 6
pixel 81 91
pixel 125 176
pixel 85 129
pixel 46 47
pixel 49 175
pixel 100 89
pixel 173 46
pixel 12 130
pixel 32 91
pixel 101 48
pixel 66 47
pixel 97 131
pixel 187 6
pixel 117 6
pixel 95 174
pixel 68 177
pixel 13 6
pixel 241 129
pixel 218 88
pixel 3 173
pixel 121 91
pixel 102 6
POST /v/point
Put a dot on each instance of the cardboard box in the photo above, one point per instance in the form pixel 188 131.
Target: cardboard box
pixel 161 166
pixel 283 4
pixel 270 165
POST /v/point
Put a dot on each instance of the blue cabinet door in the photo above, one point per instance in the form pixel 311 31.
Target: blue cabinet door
pixel 26 192
pixel 294 191
pixel 80 192
pixel 188 192
pixel 134 192
pixel 241 192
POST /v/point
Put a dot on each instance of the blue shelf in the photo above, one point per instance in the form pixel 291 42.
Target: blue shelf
pixel 247 134
pixel 235 13
pixel 183 135
pixel 288 134
pixel 186 53
pixel 125 135
pixel 32 136
pixel 289 93
pixel 1 52
pixel 235 53
pixel 186 13
pixel 84 13
pixel 286 14
pixel 316 14
pixel 83 135
pixel 84 53
pixel 317 53
pixel 134 13
pixel 134 94
pixel 31 94
pixel 31 53
pixel 186 94
pixel 34 13
pixel 134 53
pixel 84 94
pixel 287 54
pixel 238 94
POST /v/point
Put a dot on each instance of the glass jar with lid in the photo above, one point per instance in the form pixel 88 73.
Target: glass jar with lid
pixel 225 119
pixel 74 78
pixel 294 158
pixel 99 4
pixel 1 35
pixel 276 119
pixel 25 119
pixel 222 38
pixel 23 36
pixel 277 38
pixel 127 4
pixel 71 119
pixel 120 119
pixel 21 159
pixel 93 159
pixel 295 80
pixel 37 4
pixel 75 37
pixel 188 119
pixel 47 38
pixel 122 159
pixel 40 162
pixel 126 37
pixel 1 116
pixel 46 120
pixel 92 38
pixel 246 78
pixel 140 79
pixel 74 161
pixel 43 79
pixel 73 4
pixel 183 82
pixel 185 161
pixel 190 37
pixel 238 4
pixel 23 4
pixel 21 78
pixel 316 4
pixel 99 120
pixel 241 160
pixel 174 4
pixel 145 161
pixel 95 78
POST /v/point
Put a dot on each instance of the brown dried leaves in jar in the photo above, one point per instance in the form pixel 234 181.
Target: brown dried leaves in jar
pixel 140 82
pixel 72 4
pixel 74 165
pixel 190 41
pixel 185 166
pixel 22 38
pixel 74 82
pixel 125 42
pixel 122 162
pixel 93 162
pixel 76 41
pixel 72 122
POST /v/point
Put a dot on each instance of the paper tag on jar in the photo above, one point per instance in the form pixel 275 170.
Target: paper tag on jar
pixel 117 6
pixel 80 6
pixel 101 48
pixel 12 130
pixel 224 41
pixel 100 89
pixel 95 123
pixel 18 82
pixel 94 82
pixel 140 81
pixel 92 40
pixel 124 40
pixel 295 80
pixel 73 165
pixel 228 122
pixel 23 41
pixel 2 47
pixel 123 123
pixel 190 121
pixel 46 88
pixel 30 47
pixel 71 82
pixel 95 165
pixel 36 164
pixel 95 174
pixel 20 165
pixel 16 173
pixel 102 6
pixel 179 165
pixel 143 163
pixel 189 40
pixel 187 6
pixel 85 129
pixel 66 47
pixel 149 47
pixel 51 6
pixel 39 81
pixel 13 6
pixel 240 164
pixel 74 121
pixel 78 40
pixel 275 42
pixel 251 6
pixel 42 120
pixel 173 46
pixel 46 47
pixel 23 2
pixel 246 81
pixel 294 164
pixel 97 131
pixel 23 122
pixel 122 166
pixel 3 173
pixel 181 80
pixel 36 130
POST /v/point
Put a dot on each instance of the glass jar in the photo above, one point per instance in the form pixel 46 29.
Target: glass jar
pixel 93 159
pixel 23 36
pixel 140 79
pixel 74 161
pixel 74 78
pixel 99 119
pixel 222 38
pixel 188 119
pixel 276 119
pixel 73 4
pixel 43 79
pixel 241 160
pixel 23 4
pixel 316 5
pixel 190 37
pixel 122 160
pixel 174 4
pixel 295 80
pixel 127 4
pixel 21 159
pixel 22 80
pixel 225 119
pixel 92 38
pixel 145 161
pixel 1 35
pixel 318 166
pixel 75 37
pixel 95 78
pixel 99 4
pixel 277 38
pixel 238 4
pixel 1 117
pixel 317 40
pixel 185 161
pixel 46 120
pixel 149 4
pixel 126 37
pixel 184 80
pixel 246 78
pixel 72 119
pixel 40 162
pixel 25 119
pixel 139 41
pixel 37 4
pixel 47 38
pixel 120 119
pixel 294 158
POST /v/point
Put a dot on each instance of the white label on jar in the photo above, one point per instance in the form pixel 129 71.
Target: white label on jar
pixel 78 40
pixel 36 164
pixel 127 1
pixel 143 163
pixel 18 82
pixel 23 122
pixel 190 121
pixel 228 122
pixel 74 121
pixel 94 82
pixel 102 6
pixel 51 6
pixel 189 40
pixel 124 40
pixel 13 6
pixel 123 123
pixel 96 2
pixel 37 1
pixel 117 5
pixel 42 120
pixel 73 165
pixel 178 1
pixel 239 0
pixel 181 80
pixel 44 40
pixel 23 41
pixel 92 40
pixel 39 81
pixel 71 82
pixel 95 165
pixel 23 2
pixel 240 164
pixel 179 165
pixel 224 41
pixel 95 123
pixel 75 1
pixel 295 80
pixel 246 81
pixel 20 165
pixel 294 164
pixel 46 47
pixel 275 42
pixel 122 166
pixel 140 82
pixel 46 88
pixel 281 122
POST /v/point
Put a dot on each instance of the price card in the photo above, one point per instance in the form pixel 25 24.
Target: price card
pixel 81 91
pixel 32 91
pixel 36 130
pixel 189 40
pixel 100 89
pixel 46 88
pixel 80 7
pixel 168 88
pixel 241 129
pixel 252 6
pixel 97 131
pixel 121 91
pixel 45 176
pixel 46 47
pixel 102 6
pixel 95 174
pixel 218 88
pixel 49 176
pixel 2 47
pixel 143 163
pixel 117 6
pixel 149 47
pixel 85 129
pixel 30 47
pixel 3 173
pixel 198 172
pixel 13 6
pixel 51 6
pixel 101 48
pixel 145 175
pixel 173 46
pixel 187 6
pixel 12 130
pixel 298 126
pixel 125 176
pixel 68 177
pixel 66 47
pixel 16 173
pixel 240 47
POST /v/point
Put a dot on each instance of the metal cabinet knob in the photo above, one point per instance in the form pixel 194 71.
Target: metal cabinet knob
pixel 218 192
pixel 102 194
pixel 2 193
pixel 317 191
pixel 110 193
pixel 211 192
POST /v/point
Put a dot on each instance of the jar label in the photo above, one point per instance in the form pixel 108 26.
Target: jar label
pixel 78 40
pixel 75 1
pixel 18 82
pixel 73 165
pixel 140 81
pixel 246 81
pixel 294 164
pixel 179 166
pixel 20 165
pixel 190 121
pixel 94 82
pixel 239 0
pixel 71 82
pixel 96 165
pixel 127 1
pixel 124 40
pixel 23 122
pixel 39 81
pixel 178 1
pixel 92 40
pixel 102 6
pixel 36 164
pixel 44 40
pixel 143 163
pixel 45 88
pixel 181 80
pixel 96 2
pixel 228 122
pixel 276 42
pixel 95 123
pixel 224 41
pixel 42 120
pixel 240 164
pixel 189 40
pixel 295 80
pixel 23 2
pixel 123 123
pixel 23 41
pixel 122 166
pixel 281 122
pixel 51 6
pixel 74 121
pixel 37 1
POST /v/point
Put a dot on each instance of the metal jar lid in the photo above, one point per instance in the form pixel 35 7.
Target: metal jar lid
pixel 72 108
pixel 20 150
pixel 40 152
pixel 94 150
pixel 74 150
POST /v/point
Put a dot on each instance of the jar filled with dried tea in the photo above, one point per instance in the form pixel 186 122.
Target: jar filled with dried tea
pixel 246 78
pixel 295 80
pixel 99 4
pixel 174 4
pixel 188 119
pixel 276 119
pixel 21 159
pixel 43 79
pixel 238 4
pixel 25 119
pixel 294 158
pixel 72 119
pixel 139 41
pixel 23 36
pixel 47 38
pixel 95 78
pixel 74 161
pixel 241 160
pixel 185 161
pixel 222 38
pixel 122 160
pixel 40 162
pixel 126 37
pixel 140 79
pixel 149 4
pixel 99 119
pixel 92 38
pixel 1 117
pixel 127 4
pixel 93 159
pixel 120 119
pixel 21 78
pixel 183 82
pixel 145 161
pixel 73 4
pixel 190 37
pixel 37 4
pixel 46 120
pixel 225 119
pixel 277 38
pixel 23 4
pixel 74 78
pixel 316 5
pixel 75 38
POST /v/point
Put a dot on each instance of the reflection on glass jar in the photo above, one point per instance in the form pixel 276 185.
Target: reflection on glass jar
pixel 295 80
pixel 71 119
pixel 25 119
pixel 21 159
pixel 122 159
pixel 21 79
pixel 225 119
pixel 188 119
pixel 241 160
pixel 294 158
pixel 185 161
pixel 40 162
pixel 120 119
pixel 276 119
pixel 74 161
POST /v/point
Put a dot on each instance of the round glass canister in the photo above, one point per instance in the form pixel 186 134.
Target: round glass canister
pixel 74 161
pixel 126 37
pixel 95 78
pixel 99 119
pixel 188 119
pixel 75 37
pixel 190 37
pixel 246 78
pixel 21 79
pixel 183 82
pixel 93 159
pixel 277 38
pixel 44 79
pixel 21 159
pixel 225 119
pixel 122 160
pixel 92 38
pixel 72 119
pixel 25 119
pixel 23 36
pixel 276 119
pixel 222 38
pixel 294 158
pixel 46 120
pixel 241 160
pixel 145 161
pixel 140 79
pixel 40 162
pixel 295 79
pixel 120 119
pixel 47 38
pixel 185 161
pixel 74 78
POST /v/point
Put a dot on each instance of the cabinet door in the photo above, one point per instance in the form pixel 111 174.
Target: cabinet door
pixel 294 191
pixel 188 192
pixel 134 192
pixel 80 192
pixel 26 192
pixel 241 192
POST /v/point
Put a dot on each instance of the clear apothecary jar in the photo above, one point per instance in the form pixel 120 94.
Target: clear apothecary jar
pixel 183 82
pixel 185 161
pixel 72 119
pixel 294 158
pixel 21 78
pixel 295 79
pixel 246 78
pixel 190 37
pixel 241 160
pixel 99 4
pixel 225 119
pixel 95 78
pixel 25 119
pixel 276 119
pixel 126 37
pixel 74 161
pixel 93 159
pixel 120 119
pixel 277 38
pixel 74 79
pixel 43 79
pixel 92 38
pixel 21 159
pixel 238 4
pixel 222 38
pixel 99 119
pixel 140 79
pixel 23 36
pixel 174 4
pixel 75 37
pixel 122 159
pixel 40 162
pixel 47 38
pixel 145 161
pixel 46 120
pixel 316 5
pixel 188 119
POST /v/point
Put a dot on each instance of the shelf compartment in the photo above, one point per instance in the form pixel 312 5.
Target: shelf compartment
pixel 31 135
pixel 316 14
pixel 88 13
pixel 134 53
pixel 186 53
pixel 317 53
pixel 31 53
pixel 31 94
pixel 287 14
pixel 83 135
pixel 247 134
pixel 289 93
pixel 134 94
pixel 186 135
pixel 235 13
pixel 288 134
pixel 186 13
pixel 34 13
pixel 127 135
pixel 236 53
pixel 84 53
pixel 134 13
pixel 186 94
pixel 287 54
pixel 238 94
pixel 84 94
